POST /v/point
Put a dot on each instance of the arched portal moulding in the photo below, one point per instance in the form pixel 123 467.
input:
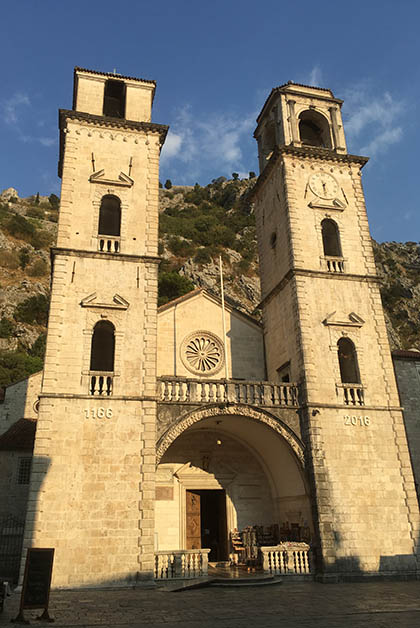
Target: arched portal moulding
pixel 186 421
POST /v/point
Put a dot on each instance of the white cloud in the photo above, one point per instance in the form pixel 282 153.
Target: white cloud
pixel 172 146
pixel 315 77
pixel 382 141
pixel 214 141
pixel 11 107
pixel 46 141
pixel 373 121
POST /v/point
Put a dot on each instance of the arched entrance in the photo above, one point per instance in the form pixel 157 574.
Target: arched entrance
pixel 228 468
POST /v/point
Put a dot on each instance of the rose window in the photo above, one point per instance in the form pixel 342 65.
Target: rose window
pixel 202 353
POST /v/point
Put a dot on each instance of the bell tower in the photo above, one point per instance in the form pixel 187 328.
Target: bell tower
pixel 92 487
pixel 325 329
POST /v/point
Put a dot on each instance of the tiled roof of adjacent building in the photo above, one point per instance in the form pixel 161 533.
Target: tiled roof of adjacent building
pixel 400 353
pixel 20 436
pixel 114 75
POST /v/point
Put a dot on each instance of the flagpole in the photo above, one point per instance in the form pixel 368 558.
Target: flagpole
pixel 223 315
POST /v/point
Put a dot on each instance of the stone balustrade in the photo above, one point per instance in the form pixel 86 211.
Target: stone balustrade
pixel 186 390
pixel 334 264
pixel 101 383
pixel 287 559
pixel 109 244
pixel 181 564
pixel 353 394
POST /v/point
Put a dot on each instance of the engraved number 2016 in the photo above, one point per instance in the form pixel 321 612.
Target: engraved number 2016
pixel 98 413
pixel 356 420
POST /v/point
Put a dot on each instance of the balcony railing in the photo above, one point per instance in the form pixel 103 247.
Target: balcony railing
pixel 109 244
pixel 334 264
pixel 101 383
pixel 287 559
pixel 186 390
pixel 352 394
pixel 181 564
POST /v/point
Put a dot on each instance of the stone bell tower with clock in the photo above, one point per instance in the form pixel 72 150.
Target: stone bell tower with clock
pixel 92 485
pixel 325 329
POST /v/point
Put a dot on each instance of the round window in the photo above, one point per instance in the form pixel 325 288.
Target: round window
pixel 202 353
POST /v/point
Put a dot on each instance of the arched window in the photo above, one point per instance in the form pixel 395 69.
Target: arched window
pixel 103 347
pixel 110 216
pixel 347 358
pixel 314 129
pixel 331 238
pixel 114 99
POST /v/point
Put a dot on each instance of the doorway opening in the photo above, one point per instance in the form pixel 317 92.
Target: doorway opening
pixel 206 523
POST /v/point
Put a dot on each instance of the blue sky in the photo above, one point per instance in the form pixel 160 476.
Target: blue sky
pixel 215 63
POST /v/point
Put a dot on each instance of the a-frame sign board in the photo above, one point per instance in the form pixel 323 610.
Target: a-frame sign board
pixel 36 583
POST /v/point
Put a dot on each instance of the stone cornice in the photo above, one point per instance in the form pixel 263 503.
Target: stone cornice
pixel 112 75
pixel 303 272
pixel 120 257
pixel 106 121
pixel 304 152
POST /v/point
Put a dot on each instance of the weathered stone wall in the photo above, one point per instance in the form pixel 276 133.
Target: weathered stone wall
pixel 244 338
pixel 92 484
pixel 362 483
pixel 20 401
pixel 13 496
pixel 408 379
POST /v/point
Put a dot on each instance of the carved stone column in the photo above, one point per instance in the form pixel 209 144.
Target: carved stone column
pixel 293 121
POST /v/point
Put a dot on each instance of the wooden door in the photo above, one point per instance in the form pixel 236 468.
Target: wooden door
pixel 193 525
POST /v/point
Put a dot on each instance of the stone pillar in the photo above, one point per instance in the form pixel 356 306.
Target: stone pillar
pixel 293 121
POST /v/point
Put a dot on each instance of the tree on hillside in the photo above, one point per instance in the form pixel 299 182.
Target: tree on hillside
pixel 252 174
pixel 168 184
pixel 36 201
pixel 54 201
pixel 235 176
pixel 172 285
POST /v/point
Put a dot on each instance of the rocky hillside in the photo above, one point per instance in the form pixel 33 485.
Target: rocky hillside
pixel 197 224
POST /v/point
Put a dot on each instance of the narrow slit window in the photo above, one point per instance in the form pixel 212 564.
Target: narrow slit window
pixel 103 347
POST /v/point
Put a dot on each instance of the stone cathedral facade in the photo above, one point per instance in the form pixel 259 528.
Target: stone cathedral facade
pixel 158 431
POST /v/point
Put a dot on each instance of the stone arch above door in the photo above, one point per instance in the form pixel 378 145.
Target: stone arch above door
pixel 187 420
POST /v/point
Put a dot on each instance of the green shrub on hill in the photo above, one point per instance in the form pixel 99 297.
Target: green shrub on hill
pixel 32 310
pixel 17 365
pixel 9 259
pixel 6 327
pixel 38 348
pixel 172 285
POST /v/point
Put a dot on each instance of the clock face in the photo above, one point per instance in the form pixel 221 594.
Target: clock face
pixel 323 185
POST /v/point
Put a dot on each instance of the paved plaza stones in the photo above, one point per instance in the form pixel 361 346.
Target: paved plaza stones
pixel 314 605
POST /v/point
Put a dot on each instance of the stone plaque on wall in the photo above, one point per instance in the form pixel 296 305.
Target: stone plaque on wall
pixel 164 493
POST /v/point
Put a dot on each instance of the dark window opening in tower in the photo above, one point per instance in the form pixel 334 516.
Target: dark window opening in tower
pixel 314 129
pixel 331 238
pixel 269 140
pixel 103 347
pixel 347 358
pixel 114 99
pixel 110 216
